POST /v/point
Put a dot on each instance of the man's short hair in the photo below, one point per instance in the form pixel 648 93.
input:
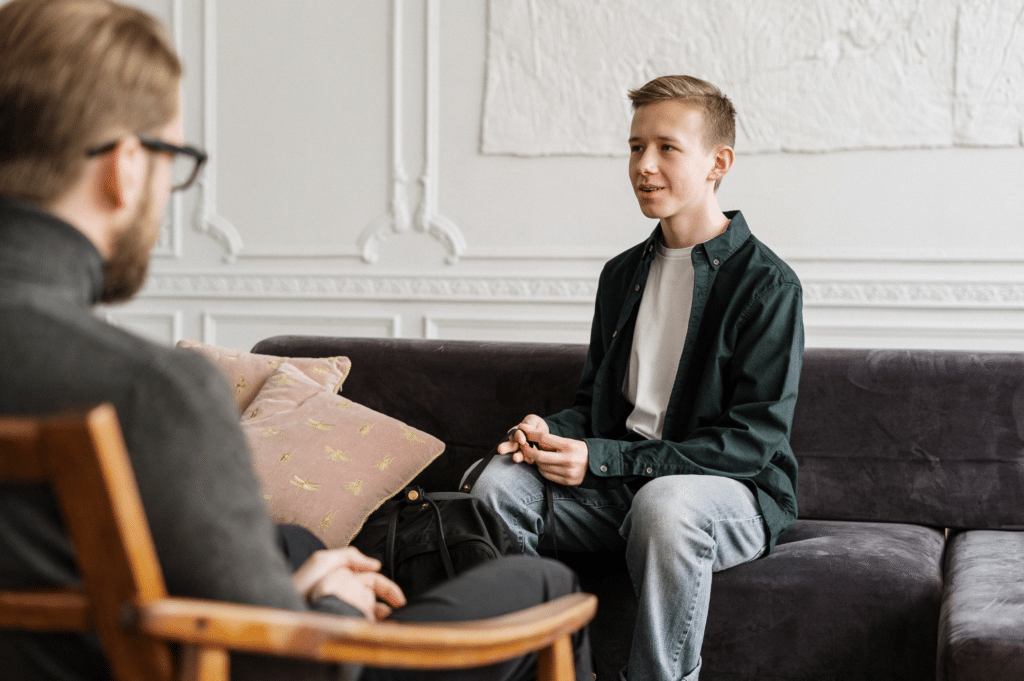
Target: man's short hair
pixel 73 73
pixel 719 113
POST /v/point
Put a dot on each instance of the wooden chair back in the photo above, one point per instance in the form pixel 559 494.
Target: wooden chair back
pixel 83 457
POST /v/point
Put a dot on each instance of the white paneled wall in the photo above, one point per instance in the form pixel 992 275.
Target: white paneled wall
pixel 350 190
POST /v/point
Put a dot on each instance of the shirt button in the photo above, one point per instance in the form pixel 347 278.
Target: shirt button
pixel 614 334
pixel 650 470
pixel 716 261
pixel 604 469
pixel 638 287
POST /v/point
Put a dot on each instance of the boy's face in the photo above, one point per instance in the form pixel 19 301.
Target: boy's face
pixel 669 166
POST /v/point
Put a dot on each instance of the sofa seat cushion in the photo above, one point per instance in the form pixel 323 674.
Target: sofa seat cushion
pixel 834 600
pixel 980 636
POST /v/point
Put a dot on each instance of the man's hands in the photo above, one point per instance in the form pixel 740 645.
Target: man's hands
pixel 559 459
pixel 352 577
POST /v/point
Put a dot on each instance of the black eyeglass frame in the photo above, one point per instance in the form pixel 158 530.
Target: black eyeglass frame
pixel 156 144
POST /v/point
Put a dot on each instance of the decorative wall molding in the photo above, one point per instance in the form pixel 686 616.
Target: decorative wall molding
pixel 914 294
pixel 930 256
pixel 319 287
pixel 397 220
pixel 923 295
pixel 169 243
pixel 211 222
pixel 428 219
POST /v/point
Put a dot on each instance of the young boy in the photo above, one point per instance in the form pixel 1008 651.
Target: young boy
pixel 676 450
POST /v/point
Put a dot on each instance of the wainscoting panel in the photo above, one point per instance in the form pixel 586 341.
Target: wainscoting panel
pixel 241 331
pixel 160 327
pixel 511 329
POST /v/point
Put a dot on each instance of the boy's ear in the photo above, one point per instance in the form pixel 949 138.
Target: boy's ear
pixel 124 173
pixel 724 157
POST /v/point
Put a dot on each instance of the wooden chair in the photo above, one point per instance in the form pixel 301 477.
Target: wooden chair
pixel 125 600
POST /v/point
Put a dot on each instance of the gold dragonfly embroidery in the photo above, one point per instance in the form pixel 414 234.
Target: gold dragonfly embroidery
pixel 305 484
pixel 356 487
pixel 321 370
pixel 343 404
pixel 413 437
pixel 269 432
pixel 319 425
pixel 274 364
pixel 255 413
pixel 286 456
pixel 366 429
pixel 328 519
pixel 284 380
pixel 336 454
pixel 384 463
pixel 240 385
pixel 266 497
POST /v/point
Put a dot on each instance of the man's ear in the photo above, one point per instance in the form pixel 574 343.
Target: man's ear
pixel 124 173
pixel 724 157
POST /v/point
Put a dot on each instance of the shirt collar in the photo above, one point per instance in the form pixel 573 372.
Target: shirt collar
pixel 38 248
pixel 720 248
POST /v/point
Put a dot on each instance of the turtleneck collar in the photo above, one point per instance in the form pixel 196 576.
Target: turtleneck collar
pixel 40 250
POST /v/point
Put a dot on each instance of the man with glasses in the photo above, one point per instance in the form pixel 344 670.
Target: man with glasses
pixel 91 146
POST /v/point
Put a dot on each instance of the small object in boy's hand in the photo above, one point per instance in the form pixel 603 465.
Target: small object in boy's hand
pixel 528 440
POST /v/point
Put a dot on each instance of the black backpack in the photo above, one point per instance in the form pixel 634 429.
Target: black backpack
pixel 424 538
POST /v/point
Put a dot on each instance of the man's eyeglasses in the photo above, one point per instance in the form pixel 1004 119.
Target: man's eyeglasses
pixel 186 165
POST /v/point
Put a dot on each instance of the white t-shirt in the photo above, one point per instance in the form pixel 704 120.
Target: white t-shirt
pixel 658 340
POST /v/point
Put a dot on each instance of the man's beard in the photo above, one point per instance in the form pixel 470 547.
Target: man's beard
pixel 128 263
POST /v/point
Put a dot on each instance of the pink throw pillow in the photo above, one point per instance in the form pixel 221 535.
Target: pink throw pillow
pixel 326 462
pixel 247 372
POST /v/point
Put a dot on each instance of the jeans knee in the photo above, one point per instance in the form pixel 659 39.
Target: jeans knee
pixel 503 481
pixel 489 485
pixel 663 510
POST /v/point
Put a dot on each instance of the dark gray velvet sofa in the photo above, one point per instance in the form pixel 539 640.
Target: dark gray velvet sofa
pixel 907 562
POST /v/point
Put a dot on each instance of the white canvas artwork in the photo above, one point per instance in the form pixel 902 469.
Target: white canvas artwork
pixel 807 76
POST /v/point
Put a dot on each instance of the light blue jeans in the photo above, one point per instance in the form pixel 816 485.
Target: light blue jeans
pixel 676 531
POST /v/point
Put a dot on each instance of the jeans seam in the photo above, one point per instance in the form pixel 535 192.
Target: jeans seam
pixel 687 625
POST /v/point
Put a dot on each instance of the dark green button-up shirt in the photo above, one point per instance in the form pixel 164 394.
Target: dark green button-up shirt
pixel 731 408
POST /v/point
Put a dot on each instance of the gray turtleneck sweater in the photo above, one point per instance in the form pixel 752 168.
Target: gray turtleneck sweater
pixel 212 531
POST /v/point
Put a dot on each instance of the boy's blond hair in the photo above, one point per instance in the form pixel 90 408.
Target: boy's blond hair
pixel 719 113
pixel 71 73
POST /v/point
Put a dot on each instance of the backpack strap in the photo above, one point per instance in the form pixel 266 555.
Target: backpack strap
pixel 477 471
pixel 549 499
pixel 416 495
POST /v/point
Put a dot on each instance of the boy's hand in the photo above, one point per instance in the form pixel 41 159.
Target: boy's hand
pixel 531 428
pixel 352 577
pixel 561 459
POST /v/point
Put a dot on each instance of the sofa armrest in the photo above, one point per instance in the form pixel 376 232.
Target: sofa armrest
pixel 981 626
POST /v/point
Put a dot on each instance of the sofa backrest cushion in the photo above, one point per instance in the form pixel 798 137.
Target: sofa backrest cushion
pixel 916 436
pixel 919 436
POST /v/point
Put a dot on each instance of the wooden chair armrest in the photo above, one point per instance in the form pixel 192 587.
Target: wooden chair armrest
pixel 45 610
pixel 332 638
